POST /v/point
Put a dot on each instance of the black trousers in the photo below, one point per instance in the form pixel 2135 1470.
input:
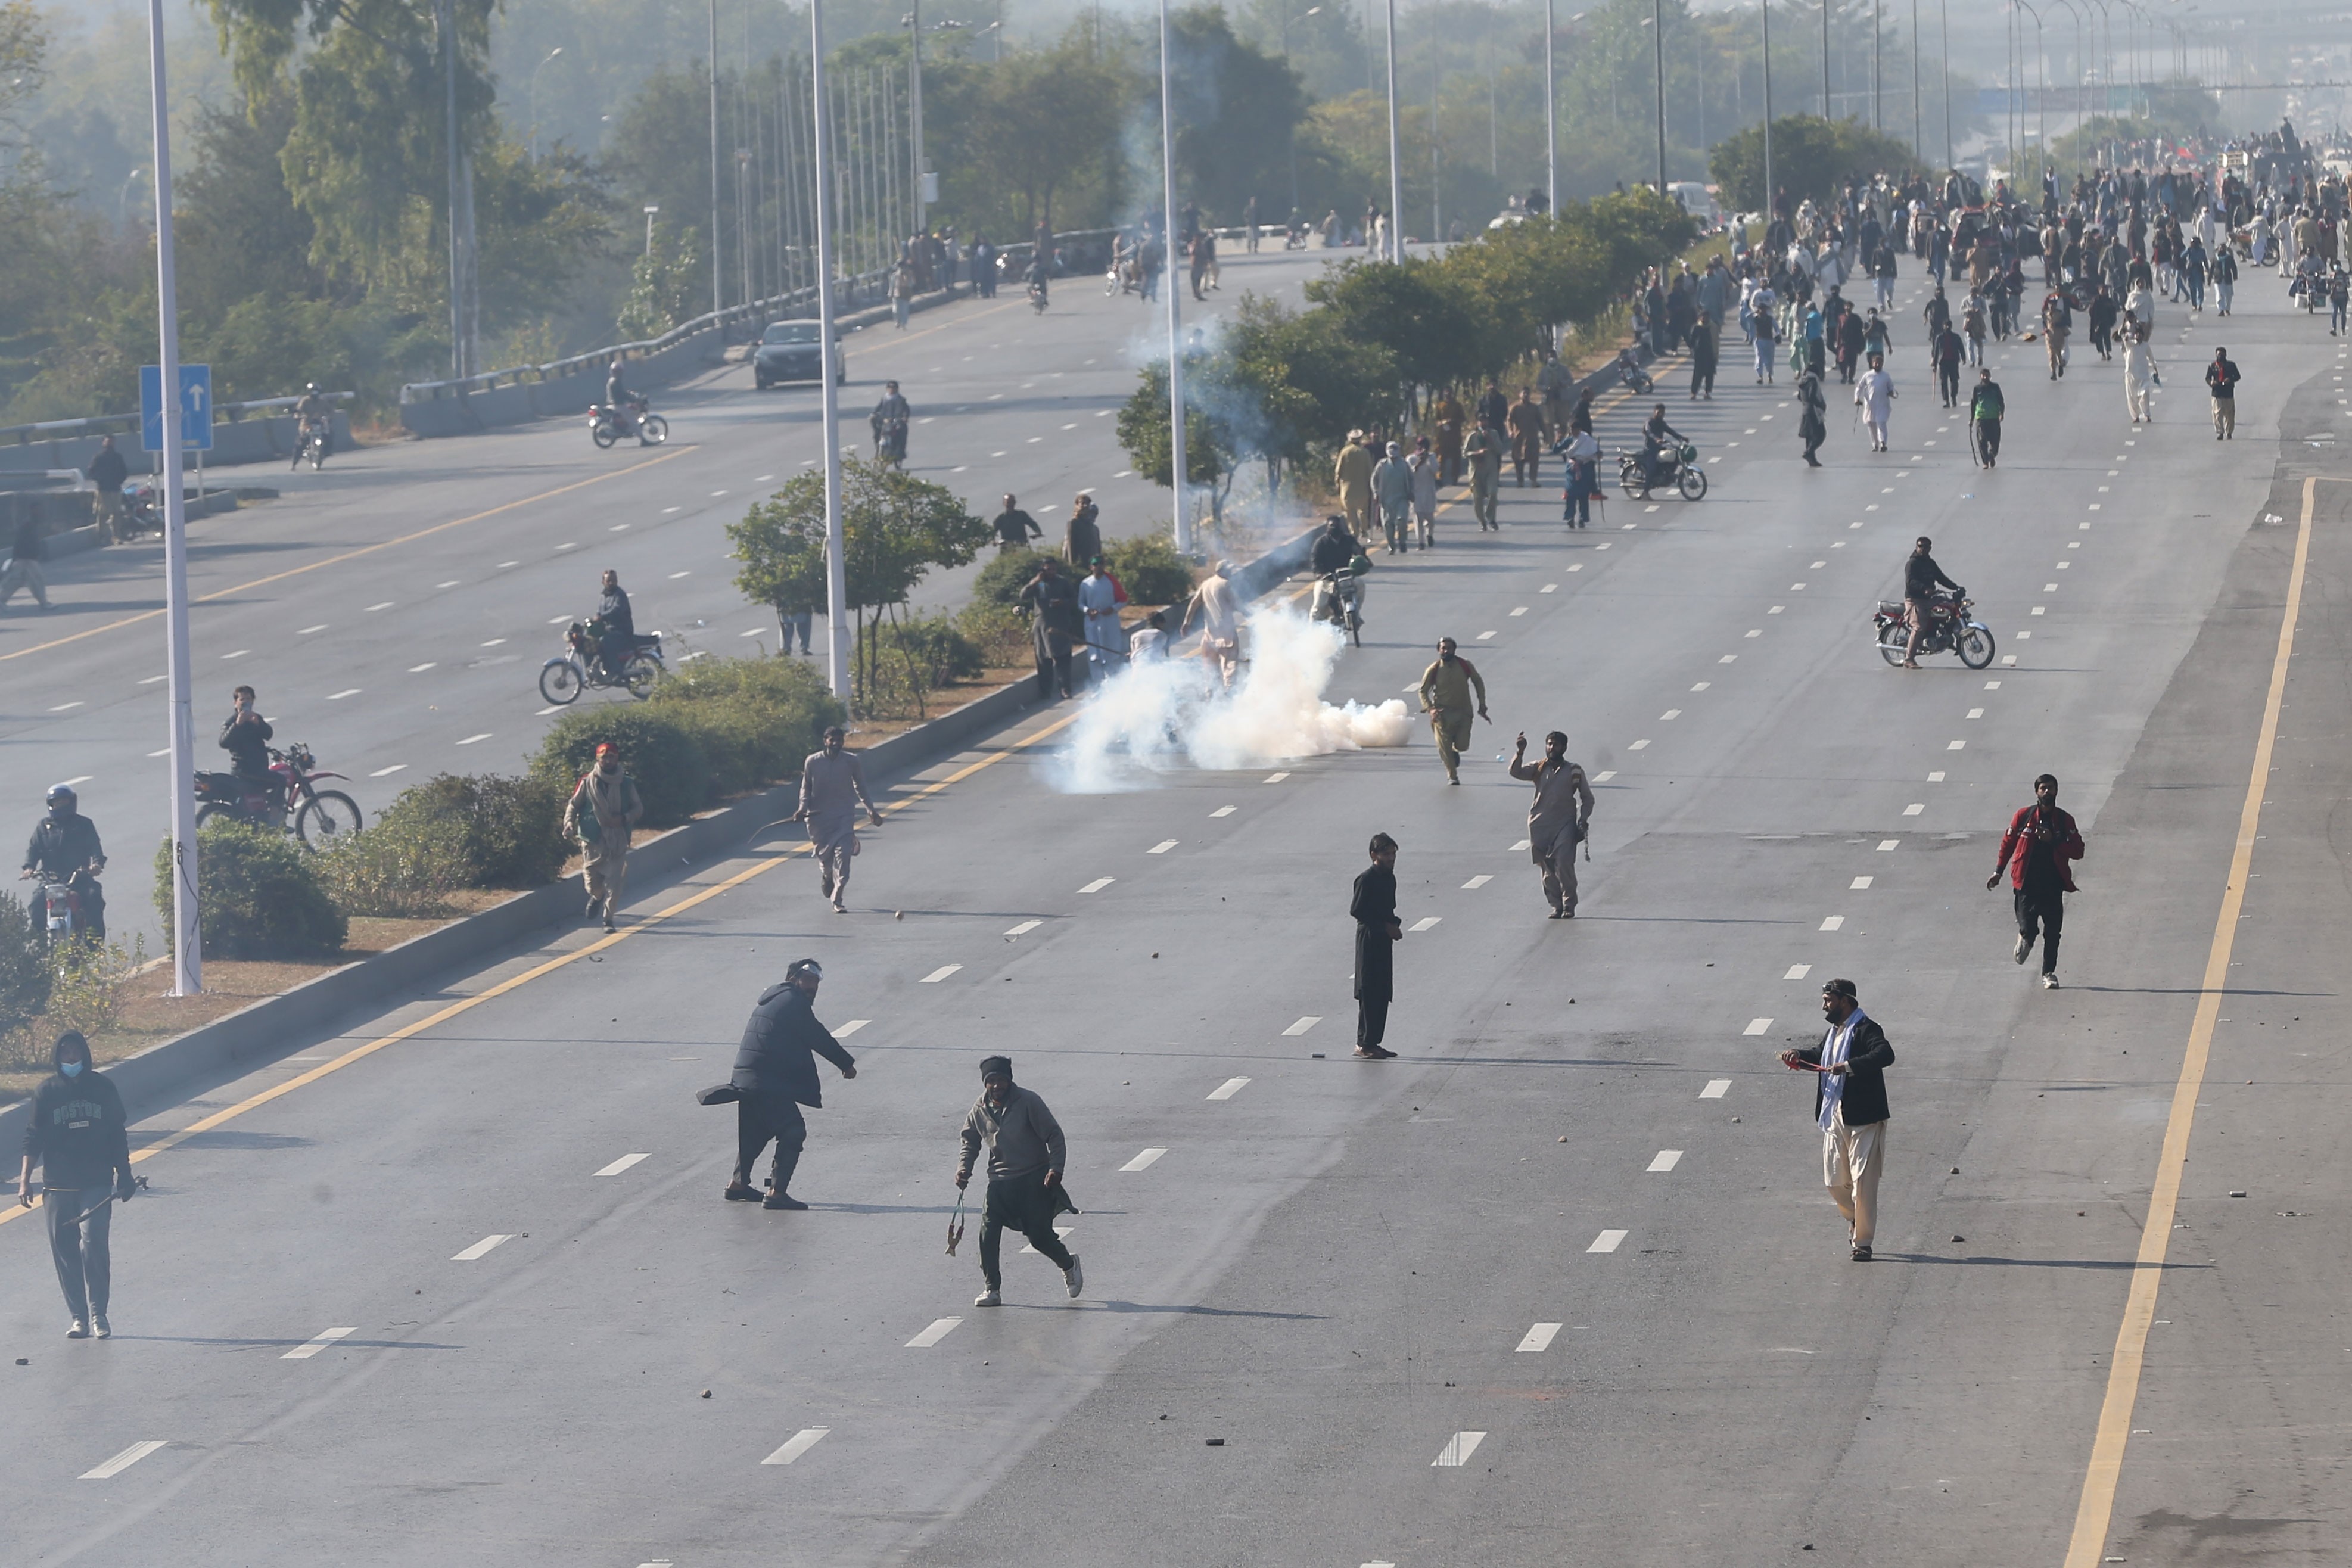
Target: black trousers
pixel 1372 1021
pixel 1024 1204
pixel 2041 914
pixel 761 1117
pixel 84 1268
pixel 1988 439
pixel 1947 383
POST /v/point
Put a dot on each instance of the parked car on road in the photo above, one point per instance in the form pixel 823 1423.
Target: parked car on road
pixel 788 351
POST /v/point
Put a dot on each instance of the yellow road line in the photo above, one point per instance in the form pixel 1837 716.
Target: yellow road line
pixel 352 554
pixel 2095 1513
pixel 515 983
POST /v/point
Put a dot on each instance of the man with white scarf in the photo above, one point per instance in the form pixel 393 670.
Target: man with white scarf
pixel 1850 1104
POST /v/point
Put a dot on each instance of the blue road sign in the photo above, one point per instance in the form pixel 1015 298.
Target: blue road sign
pixel 196 407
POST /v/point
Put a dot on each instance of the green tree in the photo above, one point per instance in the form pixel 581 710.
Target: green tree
pixel 1235 113
pixel 1811 157
pixel 895 528
pixel 668 285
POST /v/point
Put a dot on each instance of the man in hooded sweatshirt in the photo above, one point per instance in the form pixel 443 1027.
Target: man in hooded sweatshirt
pixel 1025 1154
pixel 78 1132
pixel 775 1073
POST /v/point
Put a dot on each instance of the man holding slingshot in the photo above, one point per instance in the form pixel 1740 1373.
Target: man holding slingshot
pixel 78 1131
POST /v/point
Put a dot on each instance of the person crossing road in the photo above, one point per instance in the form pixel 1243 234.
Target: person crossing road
pixel 1026 1153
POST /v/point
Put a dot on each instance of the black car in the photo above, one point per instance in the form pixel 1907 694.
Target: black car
pixel 788 351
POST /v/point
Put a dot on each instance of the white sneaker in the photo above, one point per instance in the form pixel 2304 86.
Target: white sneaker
pixel 2024 945
pixel 1076 1275
pixel 77 1330
pixel 99 1328
pixel 2050 983
pixel 988 1299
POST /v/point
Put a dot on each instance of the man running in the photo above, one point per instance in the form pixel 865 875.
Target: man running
pixel 1445 696
pixel 2039 851
pixel 1026 1151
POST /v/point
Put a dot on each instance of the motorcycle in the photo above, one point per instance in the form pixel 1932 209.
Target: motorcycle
pixel 1631 374
pixel 607 424
pixel 1950 630
pixel 1340 599
pixel 329 814
pixel 563 678
pixel 311 442
pixel 889 441
pixel 58 909
pixel 142 512
pixel 1037 298
pixel 1677 469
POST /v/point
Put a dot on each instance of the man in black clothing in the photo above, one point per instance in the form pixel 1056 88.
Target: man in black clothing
pixel 65 849
pixel 107 472
pixel 1014 528
pixel 79 1133
pixel 1026 1151
pixel 2222 379
pixel 245 736
pixel 775 1069
pixel 1655 431
pixel 2039 851
pixel 1373 908
pixel 1056 628
pixel 1850 1105
pixel 617 624
pixel 1985 407
pixel 1335 547
pixel 1920 577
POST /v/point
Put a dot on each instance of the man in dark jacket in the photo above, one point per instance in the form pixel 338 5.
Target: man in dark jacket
pixel 1373 908
pixel 79 1133
pixel 1055 626
pixel 64 847
pixel 107 472
pixel 2039 851
pixel 775 1069
pixel 1850 1104
pixel 1026 1152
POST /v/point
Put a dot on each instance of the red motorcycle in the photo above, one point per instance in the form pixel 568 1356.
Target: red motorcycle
pixel 329 813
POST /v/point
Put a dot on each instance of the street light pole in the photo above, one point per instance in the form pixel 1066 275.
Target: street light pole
pixel 1551 118
pixel 1658 56
pixel 1944 10
pixel 1181 525
pixel 535 98
pixel 1825 60
pixel 1918 146
pixel 836 566
pixel 915 119
pixel 718 259
pixel 649 229
pixel 1877 33
pixel 1396 164
pixel 1767 7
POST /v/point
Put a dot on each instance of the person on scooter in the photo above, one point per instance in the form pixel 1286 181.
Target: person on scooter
pixel 313 413
pixel 1921 576
pixel 246 738
pixel 1655 431
pixel 616 627
pixel 1335 547
pixel 65 849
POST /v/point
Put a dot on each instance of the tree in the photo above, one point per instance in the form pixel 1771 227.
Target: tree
pixel 895 528
pixel 1237 111
pixel 667 285
pixel 1811 157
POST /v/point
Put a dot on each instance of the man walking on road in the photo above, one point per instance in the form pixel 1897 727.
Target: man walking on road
pixel 1557 817
pixel 1483 452
pixel 1025 1154
pixel 1875 395
pixel 2039 851
pixel 78 1132
pixel 1445 696
pixel 2221 378
pixel 107 472
pixel 1372 907
pixel 603 807
pixel 1351 474
pixel 1525 421
pixel 1850 1104
pixel 775 1072
pixel 1392 488
pixel 1986 410
pixel 832 782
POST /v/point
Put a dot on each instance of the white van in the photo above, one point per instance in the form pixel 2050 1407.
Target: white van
pixel 1698 201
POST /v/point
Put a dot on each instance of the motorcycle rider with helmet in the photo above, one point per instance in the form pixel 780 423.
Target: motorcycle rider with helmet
pixel 65 849
pixel 1921 576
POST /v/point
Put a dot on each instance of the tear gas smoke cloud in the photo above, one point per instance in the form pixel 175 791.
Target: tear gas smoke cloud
pixel 1154 718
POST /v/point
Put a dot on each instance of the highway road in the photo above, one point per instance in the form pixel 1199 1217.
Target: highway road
pixel 392 609
pixel 458 1285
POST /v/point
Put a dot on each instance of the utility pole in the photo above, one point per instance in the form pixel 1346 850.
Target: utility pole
pixel 1181 525
pixel 464 320
pixel 1768 119
pixel 836 566
pixel 1396 165
pixel 1551 117
pixel 1877 35
pixel 1918 151
pixel 1943 9
pixel 1825 61
pixel 718 257
pixel 915 119
pixel 1658 54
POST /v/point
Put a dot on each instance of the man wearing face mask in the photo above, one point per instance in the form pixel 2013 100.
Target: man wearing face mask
pixel 832 782
pixel 65 848
pixel 603 807
pixel 79 1133
pixel 775 1072
pixel 1025 1155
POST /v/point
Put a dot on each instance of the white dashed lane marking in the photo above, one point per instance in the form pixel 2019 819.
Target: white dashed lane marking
pixel 1798 972
pixel 941 973
pixel 1457 1450
pixel 1538 1337
pixel 1476 882
pixel 1162 847
pixel 310 1348
pixel 1426 922
pixel 939 1330
pixel 1098 884
pixel 1303 1025
pixel 1229 810
pixel 1666 1160
pixel 1835 922
pixel 479 1248
pixel 1757 1025
pixel 1227 1089
pixel 1608 1241
pixel 1024 928
pixel 1144 1160
pixel 800 1443
pixel 622 1164
pixel 123 1461
pixel 1717 1088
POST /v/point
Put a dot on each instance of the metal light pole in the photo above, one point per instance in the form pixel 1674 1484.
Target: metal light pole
pixel 1877 33
pixel 717 258
pixel 1181 525
pixel 462 311
pixel 535 98
pixel 1396 165
pixel 1944 10
pixel 1310 11
pixel 1825 61
pixel 2042 57
pixel 187 941
pixel 836 566
pixel 1551 118
pixel 1767 8
pixel 1658 55
pixel 649 229
pixel 915 119
pixel 1918 146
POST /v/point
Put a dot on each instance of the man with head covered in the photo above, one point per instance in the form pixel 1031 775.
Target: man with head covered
pixel 1026 1152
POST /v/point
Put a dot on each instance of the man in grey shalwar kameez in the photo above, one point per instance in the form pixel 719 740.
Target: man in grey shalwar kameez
pixel 832 782
pixel 1557 817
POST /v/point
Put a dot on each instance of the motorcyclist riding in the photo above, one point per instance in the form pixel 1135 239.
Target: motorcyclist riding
pixel 1655 431
pixel 1921 577
pixel 312 411
pixel 1037 277
pixel 890 421
pixel 65 849
pixel 621 400
pixel 616 625
pixel 245 736
pixel 1335 547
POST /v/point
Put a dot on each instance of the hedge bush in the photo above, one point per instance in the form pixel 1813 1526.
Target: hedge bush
pixel 406 866
pixel 24 965
pixel 658 746
pixel 260 896
pixel 1001 581
pixel 1149 570
pixel 936 645
pixel 755 718
pixel 999 633
pixel 511 827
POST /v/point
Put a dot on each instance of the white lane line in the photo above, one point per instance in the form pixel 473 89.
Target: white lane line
pixel 1729 658
pixel 1520 611
pixel 850 1027
pixel 1278 778
pixel 1798 972
pixel 1670 715
pixel 1522 844
pixel 152 680
pixel 1958 746
pixel 504 564
pixel 494 642
pixel 305 632
pixel 1227 1089
pixel 347 691
pixel 1666 1160
pixel 1702 685
pixel 1538 1337
pixel 1143 1162
pixel 1162 847
pixel 420 668
pixel 387 772
pixel 1604 775
pixel 1914 808
pixel 470 740
pixel 675 576
pixel 1717 1088
pixel 478 1249
pixel 1303 1024
pixel 165 753
pixel 1480 881
pixel 62 707
pixel 1976 712
pixel 451 584
pixel 1858 884
pixel 310 1348
pixel 940 1330
pixel 1835 922
pixel 550 708
pixel 388 604
pixel 1098 884
pixel 1886 843
pixel 1457 1450
pixel 1485 636
pixel 1578 566
pixel 1425 923
pixel 1061 1231
pixel 1608 1240
pixel 622 1164
pixel 1757 1025
pixel 754 632
pixel 123 1461
pixel 800 1443
pixel 1229 810
pixel 941 973
pixel 1640 745
pixel 1024 928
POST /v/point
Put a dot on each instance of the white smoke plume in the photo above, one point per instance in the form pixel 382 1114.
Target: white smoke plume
pixel 1155 717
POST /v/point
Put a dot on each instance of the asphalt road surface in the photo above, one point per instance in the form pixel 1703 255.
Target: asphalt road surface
pixel 1327 1318
pixel 392 609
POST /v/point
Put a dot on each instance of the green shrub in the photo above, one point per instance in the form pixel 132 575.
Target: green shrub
pixel 659 747
pixel 999 633
pixel 935 645
pixel 258 894
pixel 1149 570
pixel 89 996
pixel 24 965
pixel 406 866
pixel 512 828
pixel 755 718
pixel 1001 581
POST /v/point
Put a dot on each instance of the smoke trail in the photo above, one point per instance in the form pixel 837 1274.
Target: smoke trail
pixel 1155 717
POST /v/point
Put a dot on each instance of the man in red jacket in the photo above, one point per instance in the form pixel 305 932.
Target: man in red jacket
pixel 2038 851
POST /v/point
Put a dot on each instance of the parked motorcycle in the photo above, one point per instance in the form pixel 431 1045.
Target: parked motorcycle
pixel 1631 374
pixel 142 512
pixel 319 815
pixel 563 678
pixel 1678 470
pixel 1950 630
pixel 1340 599
pixel 607 424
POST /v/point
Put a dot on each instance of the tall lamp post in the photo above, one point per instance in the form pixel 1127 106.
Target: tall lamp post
pixel 649 228
pixel 718 256
pixel 1825 61
pixel 2040 55
pixel 1769 212
pixel 1293 133
pixel 1944 12
pixel 1181 525
pixel 535 98
pixel 1551 118
pixel 1658 61
pixel 1396 164
pixel 836 570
